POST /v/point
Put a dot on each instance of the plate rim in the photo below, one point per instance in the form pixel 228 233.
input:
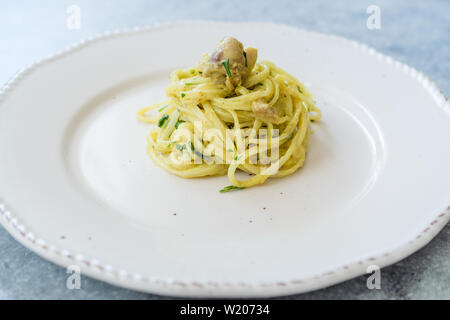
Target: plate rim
pixel 113 275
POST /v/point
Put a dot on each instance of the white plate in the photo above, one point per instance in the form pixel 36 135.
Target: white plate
pixel 78 188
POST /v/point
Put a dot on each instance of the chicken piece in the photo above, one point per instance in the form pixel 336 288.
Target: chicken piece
pixel 252 55
pixel 228 64
pixel 265 112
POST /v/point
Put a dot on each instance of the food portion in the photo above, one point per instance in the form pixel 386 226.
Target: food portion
pixel 231 113
pixel 229 64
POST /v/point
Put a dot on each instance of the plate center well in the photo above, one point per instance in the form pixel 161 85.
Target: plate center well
pixel 107 158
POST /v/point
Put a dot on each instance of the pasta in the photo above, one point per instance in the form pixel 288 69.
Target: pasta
pixel 228 114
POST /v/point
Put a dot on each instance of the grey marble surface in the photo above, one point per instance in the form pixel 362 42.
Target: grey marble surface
pixel 414 32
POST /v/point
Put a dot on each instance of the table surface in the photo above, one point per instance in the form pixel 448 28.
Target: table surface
pixel 417 33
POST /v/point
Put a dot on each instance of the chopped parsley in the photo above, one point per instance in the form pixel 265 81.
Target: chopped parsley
pixel 197 153
pixel 162 120
pixel 245 56
pixel 226 65
pixel 178 123
pixel 183 95
pixel 162 108
pixel 230 188
pixel 191 146
pixel 298 88
pixel 180 147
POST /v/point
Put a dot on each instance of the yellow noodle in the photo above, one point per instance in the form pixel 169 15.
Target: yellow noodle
pixel 195 102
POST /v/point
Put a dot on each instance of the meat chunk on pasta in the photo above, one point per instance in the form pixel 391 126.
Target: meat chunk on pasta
pixel 229 63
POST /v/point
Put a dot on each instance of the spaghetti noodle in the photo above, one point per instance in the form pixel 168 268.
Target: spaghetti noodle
pixel 229 113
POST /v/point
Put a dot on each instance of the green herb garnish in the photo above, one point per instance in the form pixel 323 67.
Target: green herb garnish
pixel 162 108
pixel 226 65
pixel 162 120
pixel 197 153
pixel 191 146
pixel 180 147
pixel 230 188
pixel 183 95
pixel 245 56
pixel 178 123
pixel 298 88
